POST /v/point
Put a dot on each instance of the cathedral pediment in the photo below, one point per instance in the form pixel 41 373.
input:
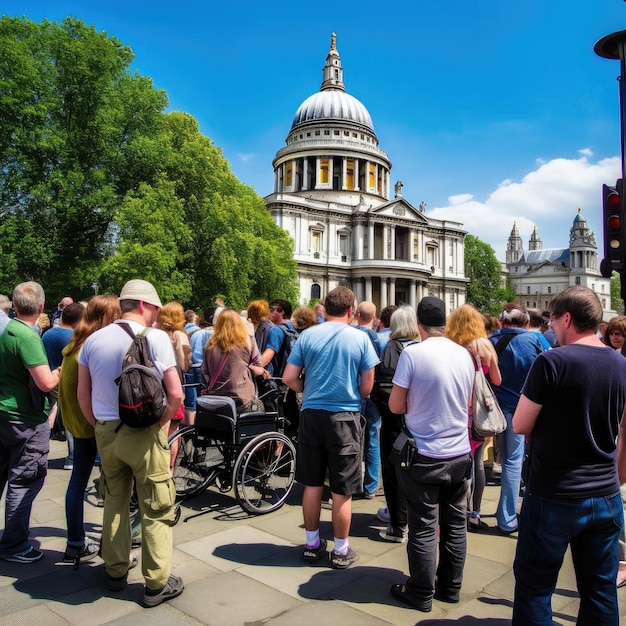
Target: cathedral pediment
pixel 399 208
pixel 547 268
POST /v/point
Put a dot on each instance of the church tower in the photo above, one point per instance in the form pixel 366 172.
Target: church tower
pixel 514 246
pixel 582 246
pixel 535 242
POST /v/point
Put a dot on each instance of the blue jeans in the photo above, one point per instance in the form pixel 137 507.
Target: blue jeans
pixel 512 451
pixel 371 451
pixel 591 526
pixel 23 469
pixel 84 458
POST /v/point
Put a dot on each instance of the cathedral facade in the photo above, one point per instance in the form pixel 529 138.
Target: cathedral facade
pixel 333 195
pixel 538 274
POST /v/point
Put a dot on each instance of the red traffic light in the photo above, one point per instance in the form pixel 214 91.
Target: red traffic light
pixel 614 222
pixel 613 199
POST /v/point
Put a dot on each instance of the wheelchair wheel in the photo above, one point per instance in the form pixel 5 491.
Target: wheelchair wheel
pixel 264 473
pixel 197 463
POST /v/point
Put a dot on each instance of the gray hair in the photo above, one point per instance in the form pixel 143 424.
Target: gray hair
pixel 28 298
pixel 403 323
pixel 515 315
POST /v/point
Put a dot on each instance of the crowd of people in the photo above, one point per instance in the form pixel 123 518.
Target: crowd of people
pixel 374 399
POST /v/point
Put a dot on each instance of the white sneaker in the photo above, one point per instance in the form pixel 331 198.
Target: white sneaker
pixel 383 515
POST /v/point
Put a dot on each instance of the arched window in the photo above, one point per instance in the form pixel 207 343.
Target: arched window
pixel 316 291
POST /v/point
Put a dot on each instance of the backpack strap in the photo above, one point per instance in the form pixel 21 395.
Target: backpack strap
pixel 503 342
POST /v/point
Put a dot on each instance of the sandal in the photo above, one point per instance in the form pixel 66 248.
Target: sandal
pixel 476 525
pixel 400 592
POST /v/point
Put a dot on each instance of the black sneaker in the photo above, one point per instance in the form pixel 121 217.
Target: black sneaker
pixel 343 561
pixel 311 555
pixel 172 589
pixel 30 555
pixel 395 535
pixel 117 584
pixel 88 551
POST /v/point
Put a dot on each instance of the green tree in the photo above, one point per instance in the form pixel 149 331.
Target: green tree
pixel 617 304
pixel 485 289
pixel 99 184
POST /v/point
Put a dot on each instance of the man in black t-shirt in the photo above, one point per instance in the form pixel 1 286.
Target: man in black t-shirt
pixel 570 411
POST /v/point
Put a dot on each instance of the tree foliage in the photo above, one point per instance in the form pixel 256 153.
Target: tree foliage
pixel 485 289
pixel 99 184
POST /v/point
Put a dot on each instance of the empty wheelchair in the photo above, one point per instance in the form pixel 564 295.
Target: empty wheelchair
pixel 248 452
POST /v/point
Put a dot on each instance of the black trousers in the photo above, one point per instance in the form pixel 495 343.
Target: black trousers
pixel 436 495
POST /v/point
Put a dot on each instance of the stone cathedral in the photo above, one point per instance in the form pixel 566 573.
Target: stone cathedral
pixel 351 224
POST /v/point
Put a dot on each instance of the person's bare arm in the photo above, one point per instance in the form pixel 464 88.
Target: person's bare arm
pixel 525 416
pixel 83 393
pixel 45 378
pixel 367 382
pixel 267 356
pixel 397 400
pixel 291 377
pixel 174 392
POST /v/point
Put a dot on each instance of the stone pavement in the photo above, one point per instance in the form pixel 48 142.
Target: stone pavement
pixel 247 570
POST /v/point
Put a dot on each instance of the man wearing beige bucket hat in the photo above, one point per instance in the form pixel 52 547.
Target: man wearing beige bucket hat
pixel 127 453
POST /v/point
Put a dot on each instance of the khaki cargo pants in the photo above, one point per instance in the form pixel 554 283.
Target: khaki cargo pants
pixel 142 453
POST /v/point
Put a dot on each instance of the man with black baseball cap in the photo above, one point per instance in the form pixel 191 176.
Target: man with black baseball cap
pixel 432 387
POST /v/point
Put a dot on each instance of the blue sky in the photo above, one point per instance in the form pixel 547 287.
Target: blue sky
pixel 491 112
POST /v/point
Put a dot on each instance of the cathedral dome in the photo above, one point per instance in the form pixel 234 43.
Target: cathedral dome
pixel 332 104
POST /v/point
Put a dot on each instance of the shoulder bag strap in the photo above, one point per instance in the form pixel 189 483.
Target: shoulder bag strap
pixel 218 371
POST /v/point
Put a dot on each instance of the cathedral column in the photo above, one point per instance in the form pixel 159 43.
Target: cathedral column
pixel 368 289
pixel 370 241
pixel 305 174
pixel 412 294
pixel 317 172
pixel 356 175
pixel 392 290
pixel 344 172
pixel 359 242
pixel 383 292
pixel 385 240
pixel 392 234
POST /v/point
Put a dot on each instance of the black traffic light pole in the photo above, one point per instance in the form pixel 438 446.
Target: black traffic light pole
pixel 613 46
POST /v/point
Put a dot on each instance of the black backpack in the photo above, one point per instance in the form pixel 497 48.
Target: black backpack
pixel 142 399
pixel 289 341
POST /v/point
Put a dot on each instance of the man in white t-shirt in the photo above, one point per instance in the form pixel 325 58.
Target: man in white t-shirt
pixel 127 454
pixel 432 386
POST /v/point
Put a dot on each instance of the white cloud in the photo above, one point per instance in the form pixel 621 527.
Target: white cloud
pixel 586 152
pixel 245 157
pixel 547 197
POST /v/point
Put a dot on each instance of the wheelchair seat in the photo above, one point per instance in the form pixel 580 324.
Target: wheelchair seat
pixel 217 417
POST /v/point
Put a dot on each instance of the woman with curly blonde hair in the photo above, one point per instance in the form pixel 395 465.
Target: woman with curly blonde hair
pixel 231 361
pixel 466 326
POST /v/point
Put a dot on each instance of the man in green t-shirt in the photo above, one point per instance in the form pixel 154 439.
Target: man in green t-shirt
pixel 24 429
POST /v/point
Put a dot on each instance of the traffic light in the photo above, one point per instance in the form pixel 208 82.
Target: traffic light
pixel 613 211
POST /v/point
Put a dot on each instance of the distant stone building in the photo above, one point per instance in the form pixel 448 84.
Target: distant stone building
pixel 538 274
pixel 332 194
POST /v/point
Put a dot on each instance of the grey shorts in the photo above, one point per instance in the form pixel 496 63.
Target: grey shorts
pixel 329 440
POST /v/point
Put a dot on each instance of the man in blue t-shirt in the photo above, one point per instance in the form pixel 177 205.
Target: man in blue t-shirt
pixel 54 340
pixel 570 410
pixel 517 348
pixel 274 356
pixel 365 318
pixel 338 362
